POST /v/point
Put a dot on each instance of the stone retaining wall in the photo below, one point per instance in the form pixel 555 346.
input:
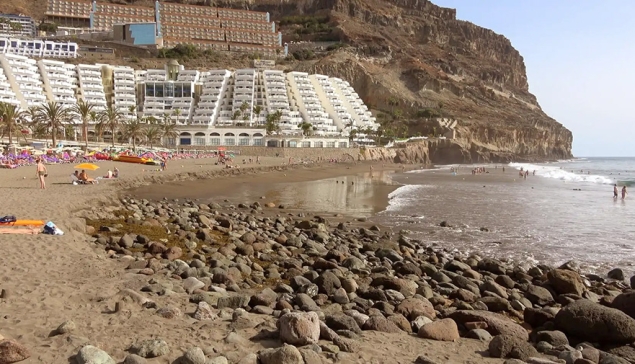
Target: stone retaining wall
pixel 299 153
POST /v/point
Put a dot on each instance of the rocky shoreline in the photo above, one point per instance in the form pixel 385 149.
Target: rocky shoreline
pixel 323 281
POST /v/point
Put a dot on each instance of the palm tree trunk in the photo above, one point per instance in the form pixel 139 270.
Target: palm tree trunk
pixel 54 136
pixel 85 132
pixel 10 136
pixel 112 131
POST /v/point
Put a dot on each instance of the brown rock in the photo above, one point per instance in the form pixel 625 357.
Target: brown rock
pixel 173 253
pixel 441 330
pixel 169 312
pixel 401 322
pixel 475 325
pixel 566 281
pixel 157 248
pixel 12 351
pixel 299 328
pixel 497 324
pixel 412 308
pixel 380 323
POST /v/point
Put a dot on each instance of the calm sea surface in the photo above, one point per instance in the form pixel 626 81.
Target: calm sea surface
pixel 565 212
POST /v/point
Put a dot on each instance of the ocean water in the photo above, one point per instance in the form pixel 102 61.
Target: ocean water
pixel 565 211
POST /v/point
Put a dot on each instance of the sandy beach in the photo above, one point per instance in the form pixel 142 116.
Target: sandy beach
pixel 48 280
pixel 106 293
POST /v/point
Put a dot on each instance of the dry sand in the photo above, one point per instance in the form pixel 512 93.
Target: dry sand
pixel 51 279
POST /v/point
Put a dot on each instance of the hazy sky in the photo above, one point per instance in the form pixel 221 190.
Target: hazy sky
pixel 580 63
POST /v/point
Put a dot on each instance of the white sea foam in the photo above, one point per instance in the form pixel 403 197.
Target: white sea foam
pixel 561 174
pixel 403 196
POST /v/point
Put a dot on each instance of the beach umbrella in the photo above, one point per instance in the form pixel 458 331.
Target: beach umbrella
pixel 88 166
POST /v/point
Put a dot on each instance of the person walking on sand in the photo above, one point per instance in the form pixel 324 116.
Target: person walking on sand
pixel 623 192
pixel 615 193
pixel 41 173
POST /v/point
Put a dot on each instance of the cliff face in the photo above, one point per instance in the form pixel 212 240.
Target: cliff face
pixel 412 55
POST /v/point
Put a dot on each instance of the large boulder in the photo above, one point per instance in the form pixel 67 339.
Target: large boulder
pixel 442 330
pixel 593 322
pixel 497 324
pixel 299 328
pixel 539 295
pixel 412 308
pixel 507 346
pixel 92 355
pixel 625 302
pixel 287 354
pixel 566 281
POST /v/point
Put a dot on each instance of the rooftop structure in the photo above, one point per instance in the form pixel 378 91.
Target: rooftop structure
pixel 17 25
pixel 38 48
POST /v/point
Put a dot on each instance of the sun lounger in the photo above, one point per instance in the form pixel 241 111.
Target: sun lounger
pixel 76 181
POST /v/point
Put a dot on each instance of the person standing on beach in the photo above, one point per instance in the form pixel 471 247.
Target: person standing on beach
pixel 623 192
pixel 615 193
pixel 41 173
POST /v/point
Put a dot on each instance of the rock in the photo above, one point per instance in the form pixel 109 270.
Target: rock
pixel 287 354
pixel 479 334
pixel 204 312
pixel 134 359
pixel 237 301
pixel 169 312
pixel 496 304
pixel 12 351
pixel 566 281
pixel 299 328
pixel 539 295
pixel 419 322
pixel 327 283
pixel 507 346
pixel 191 284
pixel 617 274
pixel 152 348
pixel 625 302
pixel 342 322
pixel 380 323
pixel 194 355
pixel 66 327
pixel 537 317
pixel 173 253
pixel 590 321
pixel 496 324
pixel 441 330
pixel 91 355
pixel 346 345
pixel 340 296
pixel 217 360
pixel 422 359
pixel 570 357
pixel 555 338
pixel 266 297
pixel 412 308
pixel 248 238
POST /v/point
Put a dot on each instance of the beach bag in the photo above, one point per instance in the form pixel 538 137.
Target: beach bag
pixel 7 219
pixel 51 229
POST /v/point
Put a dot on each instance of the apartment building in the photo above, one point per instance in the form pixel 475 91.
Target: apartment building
pixel 91 86
pixel 168 92
pixel 214 90
pixel 361 116
pixel 206 27
pixel 243 97
pixel 17 25
pixel 59 82
pixel 276 98
pixel 23 76
pixel 305 100
pixel 124 97
pixel 38 48
pixel 7 95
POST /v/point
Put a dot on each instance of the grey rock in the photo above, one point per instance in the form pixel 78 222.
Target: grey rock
pixel 194 355
pixel 479 334
pixel 237 301
pixel 134 359
pixel 152 348
pixel 496 324
pixel 555 338
pixel 66 327
pixel 287 354
pixel 590 321
pixel 507 346
pixel 92 355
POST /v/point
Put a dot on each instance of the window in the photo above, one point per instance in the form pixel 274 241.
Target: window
pixel 199 141
pixel 230 141
pixel 214 141
pixel 306 144
pixel 170 141
pixel 187 90
pixel 169 90
pixel 319 145
pixel 243 141
pixel 330 144
pixel 259 142
pixel 150 89
pixel 343 145
pixel 158 90
pixel 178 90
pixel 293 144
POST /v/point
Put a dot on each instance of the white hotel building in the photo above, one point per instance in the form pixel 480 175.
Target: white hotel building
pixel 210 108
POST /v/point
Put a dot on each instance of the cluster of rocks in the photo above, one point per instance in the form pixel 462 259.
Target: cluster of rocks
pixel 331 283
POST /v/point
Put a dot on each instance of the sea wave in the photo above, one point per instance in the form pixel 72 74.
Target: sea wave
pixel 404 196
pixel 561 174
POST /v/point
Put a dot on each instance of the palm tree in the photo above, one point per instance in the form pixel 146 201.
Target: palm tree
pixel 273 122
pixel 54 115
pixel 112 117
pixel 306 127
pixel 10 115
pixel 177 114
pixel 98 120
pixel 257 111
pixel 133 129
pixel 84 110
pixel 169 131
pixel 152 134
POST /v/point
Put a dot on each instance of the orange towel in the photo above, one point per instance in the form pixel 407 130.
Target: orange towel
pixel 19 231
